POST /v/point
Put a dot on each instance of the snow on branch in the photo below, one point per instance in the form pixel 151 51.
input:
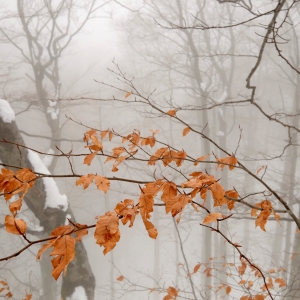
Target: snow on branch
pixel 6 112
pixel 53 198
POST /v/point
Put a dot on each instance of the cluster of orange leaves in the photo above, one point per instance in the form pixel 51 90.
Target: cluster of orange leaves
pixel 8 294
pixel 107 232
pixel 248 283
pixel 63 246
pixel 14 183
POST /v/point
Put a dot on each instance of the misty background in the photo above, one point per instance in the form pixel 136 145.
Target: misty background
pixel 66 65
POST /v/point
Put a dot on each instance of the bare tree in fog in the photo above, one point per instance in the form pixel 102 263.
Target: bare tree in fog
pixel 44 34
pixel 220 59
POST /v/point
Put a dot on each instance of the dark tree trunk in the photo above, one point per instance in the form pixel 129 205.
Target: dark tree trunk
pixel 79 271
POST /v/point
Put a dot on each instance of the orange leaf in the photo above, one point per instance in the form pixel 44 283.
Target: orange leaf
pixel 212 217
pixel 85 180
pixel 272 271
pixel 218 194
pixel 242 268
pixel 127 95
pixel 64 252
pixel 229 160
pixel 88 159
pixel 63 249
pixel 202 158
pixel 149 141
pixel 178 203
pixel 26 175
pixel 154 131
pixel 171 112
pixel 169 191
pixel 196 268
pixel 127 210
pixel 186 130
pixel 264 214
pixel 15 206
pixel 89 134
pixel 103 184
pixel 152 231
pixel 81 233
pixel 281 282
pixel 219 288
pixel 97 143
pixel 120 278
pixel 232 194
pixel 157 155
pixel 177 157
pixel 28 297
pixel 103 134
pixel 110 135
pixel 172 291
pixel 259 169
pixel 15 226
pixel 146 202
pixel 195 207
pixel 259 297
pixel 228 290
pixel 207 272
pixel 107 232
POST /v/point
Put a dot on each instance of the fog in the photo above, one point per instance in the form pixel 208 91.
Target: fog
pixel 227 72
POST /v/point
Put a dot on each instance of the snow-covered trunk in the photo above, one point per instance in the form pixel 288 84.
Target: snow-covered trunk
pixel 47 205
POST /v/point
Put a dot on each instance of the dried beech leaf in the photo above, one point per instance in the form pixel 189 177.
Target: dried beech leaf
pixel 186 130
pixel 88 159
pixel 15 226
pixel 64 252
pixel 85 181
pixel 212 217
pixel 281 282
pixel 196 268
pixel 229 160
pixel 103 184
pixel 107 232
pixel 261 168
pixel 228 290
pixel 171 112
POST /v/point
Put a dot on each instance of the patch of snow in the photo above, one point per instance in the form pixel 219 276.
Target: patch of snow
pixel 47 160
pixel 6 112
pixel 223 96
pixel 79 294
pixel 68 216
pixel 53 198
pixel 220 133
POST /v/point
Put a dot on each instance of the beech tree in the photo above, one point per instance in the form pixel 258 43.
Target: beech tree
pixel 180 168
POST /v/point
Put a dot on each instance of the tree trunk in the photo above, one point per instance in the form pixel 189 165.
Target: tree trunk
pixel 79 270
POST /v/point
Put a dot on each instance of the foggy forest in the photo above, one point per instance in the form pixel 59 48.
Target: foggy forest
pixel 149 149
